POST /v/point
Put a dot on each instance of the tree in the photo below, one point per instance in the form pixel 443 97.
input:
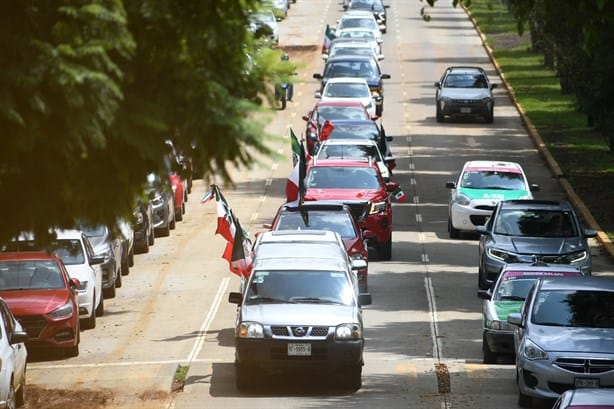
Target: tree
pixel 91 89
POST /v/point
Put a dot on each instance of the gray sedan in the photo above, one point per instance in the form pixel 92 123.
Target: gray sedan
pixel 564 337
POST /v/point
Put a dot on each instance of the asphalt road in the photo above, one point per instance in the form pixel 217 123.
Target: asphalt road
pixel 423 330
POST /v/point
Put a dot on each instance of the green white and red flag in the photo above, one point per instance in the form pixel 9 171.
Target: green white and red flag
pixel 295 186
pixel 399 195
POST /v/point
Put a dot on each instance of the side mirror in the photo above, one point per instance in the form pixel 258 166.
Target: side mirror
pixel 96 260
pixel 74 282
pixel 305 117
pixel 18 337
pixel 385 76
pixel 364 299
pixel 484 294
pixel 534 187
pixel 389 138
pixel 481 229
pixel 325 57
pixel 235 298
pixel 358 264
pixel 493 86
pixel 380 57
pixel 318 94
pixel 590 233
pixel 317 76
pixel 450 185
pixel 437 84
pixel 515 319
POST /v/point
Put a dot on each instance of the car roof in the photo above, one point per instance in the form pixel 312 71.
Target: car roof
pixel 26 255
pixel 356 14
pixel 327 205
pixel 535 204
pixel 539 269
pixel 495 165
pixel 463 69
pixel 307 262
pixel 340 122
pixel 353 163
pixel 337 58
pixel 586 283
pixel 339 103
pixel 347 80
pixel 297 236
pixel 352 142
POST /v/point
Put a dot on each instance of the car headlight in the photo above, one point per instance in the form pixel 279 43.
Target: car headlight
pixel 250 329
pixel 64 311
pixel 578 256
pixel 357 256
pixel 138 218
pixel 501 255
pixel 498 325
pixel 82 285
pixel 462 200
pixel 348 332
pixel 532 351
pixel 378 207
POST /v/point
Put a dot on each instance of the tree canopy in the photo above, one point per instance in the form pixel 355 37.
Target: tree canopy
pixel 90 90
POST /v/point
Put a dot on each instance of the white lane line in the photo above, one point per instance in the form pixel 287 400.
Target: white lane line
pixel 198 345
pixel 268 182
pixel 262 199
pixel 253 217
pixel 274 167
pixel 430 295
pixel 418 218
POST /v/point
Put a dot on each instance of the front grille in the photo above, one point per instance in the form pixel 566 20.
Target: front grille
pixel 319 331
pixel 478 220
pixel 485 207
pixel 33 324
pixel 299 331
pixel 466 102
pixel 280 331
pixel 317 354
pixel 585 366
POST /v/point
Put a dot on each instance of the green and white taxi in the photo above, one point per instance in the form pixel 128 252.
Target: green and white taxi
pixel 478 189
pixel 506 296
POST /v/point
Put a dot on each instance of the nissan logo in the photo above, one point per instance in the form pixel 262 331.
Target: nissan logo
pixel 300 331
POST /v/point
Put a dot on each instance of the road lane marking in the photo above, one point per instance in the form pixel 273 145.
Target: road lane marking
pixel 430 296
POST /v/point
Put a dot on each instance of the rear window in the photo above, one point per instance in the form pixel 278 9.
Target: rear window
pixel 339 222
pixel 342 177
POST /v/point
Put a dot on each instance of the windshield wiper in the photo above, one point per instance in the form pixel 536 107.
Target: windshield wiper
pixel 511 298
pixel 315 299
pixel 270 299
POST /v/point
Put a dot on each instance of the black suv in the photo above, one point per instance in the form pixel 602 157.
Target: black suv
pixel 525 231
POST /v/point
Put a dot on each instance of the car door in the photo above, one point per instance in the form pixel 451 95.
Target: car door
pixel 96 268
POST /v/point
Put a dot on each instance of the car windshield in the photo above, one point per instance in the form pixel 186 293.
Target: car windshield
pixel 367 130
pixel 69 251
pixel 535 223
pixel 358 22
pixel 365 68
pixel 343 177
pixel 373 5
pixel 30 275
pixel 299 286
pixel 349 152
pixel 513 288
pixel 95 231
pixel 492 180
pixel 468 80
pixel 347 90
pixel 361 34
pixel 339 222
pixel 574 308
pixel 341 112
pixel 352 51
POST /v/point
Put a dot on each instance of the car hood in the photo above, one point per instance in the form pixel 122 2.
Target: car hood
pixel 364 101
pixel 300 314
pixel 566 339
pixel 504 308
pixel 539 245
pixel 491 195
pixel 35 302
pixel 374 81
pixel 341 194
pixel 82 272
pixel 464 93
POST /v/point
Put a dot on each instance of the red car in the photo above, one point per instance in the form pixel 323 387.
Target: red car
pixel 331 111
pixel 179 194
pixel 43 298
pixel 335 216
pixel 356 180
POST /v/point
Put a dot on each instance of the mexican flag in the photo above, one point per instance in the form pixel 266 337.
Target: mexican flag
pixel 295 186
pixel 399 195
pixel 329 36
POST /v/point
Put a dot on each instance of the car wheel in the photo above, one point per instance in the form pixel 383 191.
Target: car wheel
pixel 524 401
pixel 489 356
pixel 131 257
pixel 482 285
pixel 244 376
pixel 171 224
pixel 20 396
pixel 100 307
pixel 151 238
pixel 352 379
pixel 142 248
pixel 454 233
pixel 109 292
pixel 125 267
pixel 439 114
pixel 490 117
pixel 118 278
pixel 11 401
pixel 90 322
pixel 384 251
pixel 166 229
pixel 179 213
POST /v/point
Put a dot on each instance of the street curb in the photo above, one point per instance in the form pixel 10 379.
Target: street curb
pixel 557 173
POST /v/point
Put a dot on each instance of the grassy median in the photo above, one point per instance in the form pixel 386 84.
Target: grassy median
pixel 581 152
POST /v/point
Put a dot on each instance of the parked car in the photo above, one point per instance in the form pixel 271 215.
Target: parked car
pixel 300 313
pixel 352 149
pixel 330 111
pixel 163 205
pixel 356 66
pixel 43 298
pixel 353 36
pixel 13 356
pixel 143 226
pixel 345 129
pixel 126 235
pixel 376 7
pixel 353 48
pixel 479 186
pixel 108 245
pixel 563 337
pixel 264 24
pixel 525 231
pixel 464 91
pixel 358 180
pixel 332 216
pixel 349 89
pixel 592 398
pixel 362 19
pixel 506 296
pixel 78 257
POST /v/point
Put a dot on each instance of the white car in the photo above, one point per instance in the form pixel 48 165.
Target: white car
pixel 352 149
pixel 349 89
pixel 77 254
pixel 363 34
pixel 265 18
pixel 359 19
pixel 478 189
pixel 357 47
pixel 13 356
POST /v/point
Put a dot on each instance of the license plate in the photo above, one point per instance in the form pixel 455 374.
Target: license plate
pixel 465 110
pixel 586 383
pixel 299 349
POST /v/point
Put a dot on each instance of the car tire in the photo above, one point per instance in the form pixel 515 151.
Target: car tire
pixel 352 379
pixel 20 395
pixel 125 267
pixel 490 117
pixel 151 239
pixel 118 278
pixel 244 376
pixel 489 356
pixel 481 284
pixel 142 248
pixel 171 224
pixel 109 292
pixel 454 233
pixel 524 401
pixel 179 213
pixel 131 257
pixel 100 307
pixel 90 322
pixel 165 230
pixel 384 250
pixel 438 114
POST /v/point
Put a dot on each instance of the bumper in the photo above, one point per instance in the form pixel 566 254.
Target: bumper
pixel 465 108
pixel 86 302
pixel 467 218
pixel 499 342
pixel 272 355
pixel 54 334
pixel 381 225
